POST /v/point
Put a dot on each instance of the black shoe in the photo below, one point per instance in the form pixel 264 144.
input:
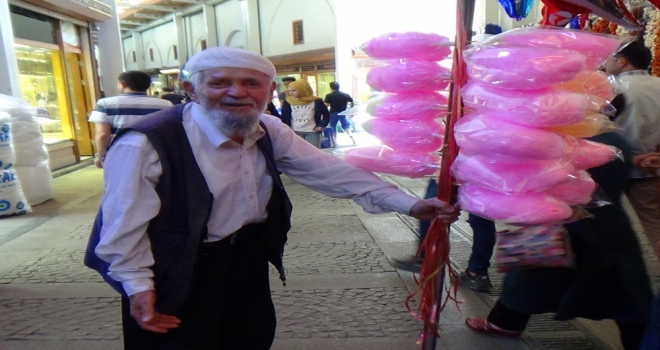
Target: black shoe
pixel 480 283
pixel 411 264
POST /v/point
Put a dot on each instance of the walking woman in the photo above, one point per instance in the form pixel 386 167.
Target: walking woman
pixel 305 113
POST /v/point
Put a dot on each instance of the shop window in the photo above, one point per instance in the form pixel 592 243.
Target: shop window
pixel 33 26
pixel 298 35
pixel 151 54
pixel 175 53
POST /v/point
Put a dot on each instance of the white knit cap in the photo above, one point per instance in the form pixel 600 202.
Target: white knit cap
pixel 229 57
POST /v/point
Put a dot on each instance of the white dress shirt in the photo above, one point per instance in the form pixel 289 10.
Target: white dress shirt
pixel 236 175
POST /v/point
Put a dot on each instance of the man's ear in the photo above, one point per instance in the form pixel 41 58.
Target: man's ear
pixel 190 90
pixel 273 87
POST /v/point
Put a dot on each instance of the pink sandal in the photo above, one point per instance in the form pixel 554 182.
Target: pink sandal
pixel 481 325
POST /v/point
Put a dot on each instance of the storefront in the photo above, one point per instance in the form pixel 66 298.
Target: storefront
pixel 317 67
pixel 56 75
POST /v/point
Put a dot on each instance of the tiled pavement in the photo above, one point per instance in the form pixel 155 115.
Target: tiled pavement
pixel 341 293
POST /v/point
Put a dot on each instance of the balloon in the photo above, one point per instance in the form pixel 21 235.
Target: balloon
pixel 532 208
pixel 537 108
pixel 383 159
pixel 596 47
pixel 592 125
pixel 523 68
pixel 487 133
pixel 517 9
pixel 416 135
pixel 585 154
pixel 414 45
pixel 413 105
pixel 407 75
pixel 590 82
pixel 510 175
pixel 577 190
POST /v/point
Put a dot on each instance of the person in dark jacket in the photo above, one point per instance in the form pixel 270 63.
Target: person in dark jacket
pixel 305 113
pixel 168 94
pixel 609 280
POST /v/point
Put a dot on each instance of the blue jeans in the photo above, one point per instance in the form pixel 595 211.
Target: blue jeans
pixel 313 137
pixel 483 240
pixel 335 118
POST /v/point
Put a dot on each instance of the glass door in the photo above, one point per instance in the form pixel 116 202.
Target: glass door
pixel 324 80
pixel 78 91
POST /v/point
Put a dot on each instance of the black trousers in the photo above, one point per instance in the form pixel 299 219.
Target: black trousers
pixel 230 307
pixel 511 320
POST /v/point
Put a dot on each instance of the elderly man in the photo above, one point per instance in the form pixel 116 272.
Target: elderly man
pixel 194 209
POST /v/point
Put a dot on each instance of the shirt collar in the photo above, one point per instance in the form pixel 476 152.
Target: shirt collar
pixel 634 72
pixel 217 137
pixel 134 93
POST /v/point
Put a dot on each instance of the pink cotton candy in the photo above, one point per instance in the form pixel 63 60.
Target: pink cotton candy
pixel 415 45
pixel 482 133
pixel 523 209
pixel 577 190
pixel 523 68
pixel 381 159
pixel 414 135
pixel 508 174
pixel 408 75
pixel 413 105
pixel 595 46
pixel 585 154
pixel 537 108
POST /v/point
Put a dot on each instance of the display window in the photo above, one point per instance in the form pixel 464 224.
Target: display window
pixel 43 85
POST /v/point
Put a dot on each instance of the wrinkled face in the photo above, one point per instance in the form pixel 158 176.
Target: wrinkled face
pixel 234 98
pixel 614 65
pixel 292 92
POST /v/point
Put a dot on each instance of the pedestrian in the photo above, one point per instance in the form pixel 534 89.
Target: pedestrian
pixel 171 96
pixel 476 275
pixel 282 95
pixel 609 280
pixel 305 113
pixel 114 113
pixel 193 209
pixel 338 101
pixel 639 120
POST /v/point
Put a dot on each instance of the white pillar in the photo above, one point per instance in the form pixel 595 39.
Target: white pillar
pixel 252 25
pixel 181 46
pixel 211 29
pixel 8 64
pixel 111 60
pixel 139 49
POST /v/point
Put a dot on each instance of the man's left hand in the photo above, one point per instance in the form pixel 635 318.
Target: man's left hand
pixel 433 208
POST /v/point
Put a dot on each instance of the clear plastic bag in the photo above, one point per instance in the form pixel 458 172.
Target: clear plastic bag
pixel 510 175
pixel 409 76
pixel 591 125
pixel 411 135
pixel 414 105
pixel 585 154
pixel 414 45
pixel 577 190
pixel 383 159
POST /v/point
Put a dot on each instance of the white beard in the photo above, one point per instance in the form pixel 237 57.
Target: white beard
pixel 231 124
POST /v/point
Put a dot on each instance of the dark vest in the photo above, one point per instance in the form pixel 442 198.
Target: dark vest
pixel 179 229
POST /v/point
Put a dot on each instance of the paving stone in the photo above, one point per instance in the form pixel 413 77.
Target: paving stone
pixel 332 258
pixel 327 224
pixel 53 266
pixel 314 200
pixel 60 319
pixel 81 233
pixel 373 312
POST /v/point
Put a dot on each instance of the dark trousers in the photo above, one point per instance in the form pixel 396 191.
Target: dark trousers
pixel 483 240
pixel 230 306
pixel 511 320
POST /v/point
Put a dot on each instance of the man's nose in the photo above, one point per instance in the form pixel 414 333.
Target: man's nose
pixel 237 90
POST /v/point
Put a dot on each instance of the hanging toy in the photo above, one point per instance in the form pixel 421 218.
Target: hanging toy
pixel 517 9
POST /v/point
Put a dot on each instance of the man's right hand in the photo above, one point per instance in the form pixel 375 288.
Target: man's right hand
pixel 98 162
pixel 142 310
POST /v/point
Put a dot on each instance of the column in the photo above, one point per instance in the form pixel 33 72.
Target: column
pixel 181 45
pixel 252 25
pixel 209 22
pixel 110 48
pixel 8 64
pixel 139 49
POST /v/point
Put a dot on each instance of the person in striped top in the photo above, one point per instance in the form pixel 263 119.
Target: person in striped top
pixel 114 113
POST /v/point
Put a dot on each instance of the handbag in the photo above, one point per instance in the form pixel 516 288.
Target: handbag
pixel 326 138
pixel 529 247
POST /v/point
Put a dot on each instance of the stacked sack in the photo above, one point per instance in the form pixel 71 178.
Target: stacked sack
pixel 407 119
pixel 532 94
pixel 31 164
pixel 12 200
